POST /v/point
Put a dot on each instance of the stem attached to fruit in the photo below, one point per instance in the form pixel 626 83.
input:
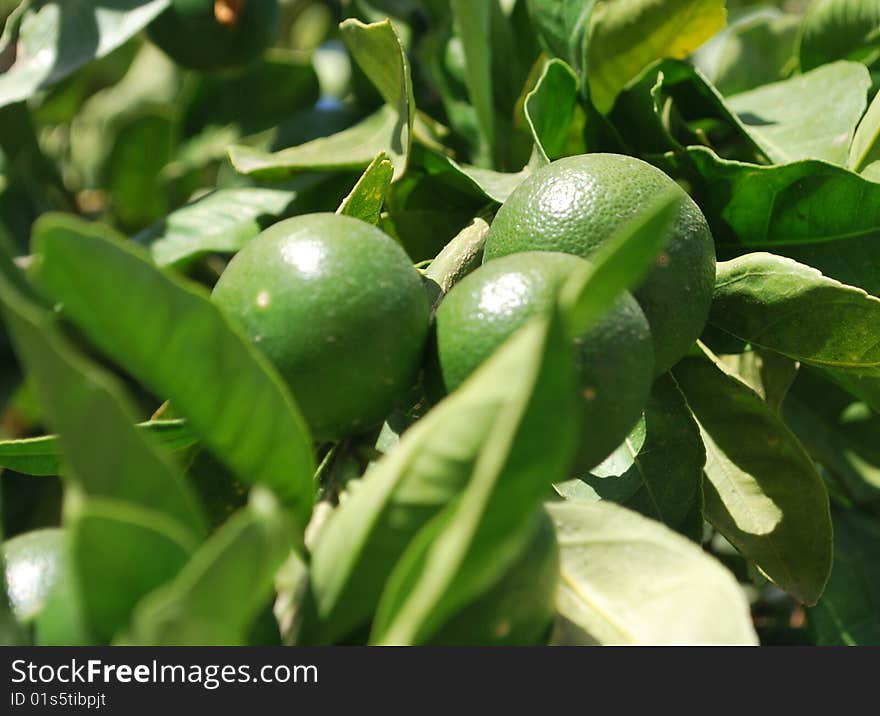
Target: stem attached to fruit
pixel 229 12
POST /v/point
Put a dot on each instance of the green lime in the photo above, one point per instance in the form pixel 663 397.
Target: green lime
pixel 518 609
pixel 211 35
pixel 615 357
pixel 574 204
pixel 339 309
pixel 33 564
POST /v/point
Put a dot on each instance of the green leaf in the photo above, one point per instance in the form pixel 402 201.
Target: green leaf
pixel 563 26
pixel 462 551
pixel 865 149
pixel 120 553
pixel 757 48
pixel 484 183
pixel 472 26
pixel 365 200
pixel 762 491
pixel 621 262
pixel 628 35
pixel 51 39
pixel 810 116
pixel 224 587
pixel 658 471
pixel 847 615
pixel 170 336
pixel 769 374
pixel 380 514
pixel 840 29
pixel 222 222
pixel 42 455
pixel 781 305
pixel 813 212
pixel 550 107
pixel 625 579
pixel 82 401
pixel 380 53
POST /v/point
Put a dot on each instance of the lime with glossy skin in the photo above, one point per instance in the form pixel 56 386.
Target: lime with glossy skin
pixel 33 562
pixel 518 609
pixel 614 358
pixel 212 35
pixel 574 204
pixel 339 309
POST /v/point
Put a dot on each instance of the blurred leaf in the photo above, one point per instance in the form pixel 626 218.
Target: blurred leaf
pixel 170 336
pixel 119 553
pixel 810 116
pixel 781 305
pixel 658 471
pixel 82 401
pixel 628 35
pixel 365 200
pixel 562 26
pixel 33 564
pixel 221 591
pixel 550 108
pixel 626 579
pixel 472 26
pixel 865 148
pixel 53 38
pixel 757 48
pixel 222 221
pixel 816 213
pixel 762 491
pixel 531 443
pixel 379 515
pixel 840 30
pixel 378 50
pixel 42 455
pixel 847 614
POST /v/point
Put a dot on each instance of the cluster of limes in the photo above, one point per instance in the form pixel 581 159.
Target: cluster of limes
pixel 338 308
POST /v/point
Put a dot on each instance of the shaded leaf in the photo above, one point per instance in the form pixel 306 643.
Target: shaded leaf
pixel 472 26
pixel 625 579
pixel 769 374
pixel 840 29
pixel 762 491
pixel 550 107
pixel 864 153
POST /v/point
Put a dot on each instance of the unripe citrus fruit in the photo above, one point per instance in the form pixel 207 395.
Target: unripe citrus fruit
pixel 575 204
pixel 615 357
pixel 339 309
pixel 213 35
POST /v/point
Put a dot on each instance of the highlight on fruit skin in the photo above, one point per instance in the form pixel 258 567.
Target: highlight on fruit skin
pixel 615 358
pixel 216 35
pixel 339 309
pixel 576 203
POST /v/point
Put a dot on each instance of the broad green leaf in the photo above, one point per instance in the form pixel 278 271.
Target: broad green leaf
pixel 810 116
pixel 658 471
pixel 762 490
pixel 847 614
pixel 628 580
pixel 485 183
pixel 840 432
pixel 769 374
pixel 472 26
pixel 781 305
pixel 865 149
pixel 365 200
pixel 169 335
pixel 628 35
pixel 380 514
pixel 42 455
pixel 379 52
pixel 624 258
pixel 462 551
pixel 223 222
pixel 756 48
pixel 840 30
pixel 119 553
pixel 550 107
pixel 224 587
pixel 52 38
pixel 82 401
pixel 816 213
pixel 33 565
pixel 563 26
